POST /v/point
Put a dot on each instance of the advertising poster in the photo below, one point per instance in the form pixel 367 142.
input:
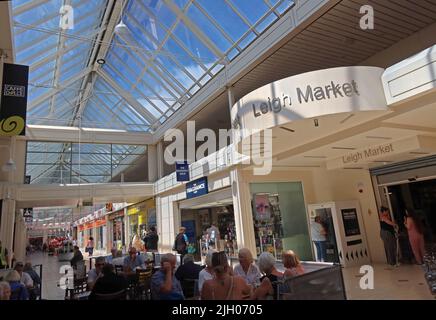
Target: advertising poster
pixel 351 222
pixel 262 207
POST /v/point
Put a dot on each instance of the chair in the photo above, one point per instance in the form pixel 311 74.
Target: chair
pixel 120 295
pixel 143 287
pixel 189 288
pixel 80 286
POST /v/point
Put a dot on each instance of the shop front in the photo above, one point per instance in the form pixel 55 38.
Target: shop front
pixel 210 222
pixel 141 216
pixel 117 222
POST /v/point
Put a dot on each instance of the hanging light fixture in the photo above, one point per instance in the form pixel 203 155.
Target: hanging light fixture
pixel 121 28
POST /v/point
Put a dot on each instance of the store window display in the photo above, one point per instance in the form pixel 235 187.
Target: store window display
pixel 279 219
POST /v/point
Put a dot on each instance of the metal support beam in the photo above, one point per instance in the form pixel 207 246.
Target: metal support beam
pixel 127 97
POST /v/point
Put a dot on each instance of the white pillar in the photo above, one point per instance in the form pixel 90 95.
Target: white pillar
pixel 152 163
pixel 7 225
pixel 243 212
pixel 20 238
pixel 160 160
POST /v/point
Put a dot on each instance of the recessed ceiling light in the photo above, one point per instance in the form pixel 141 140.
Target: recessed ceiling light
pixel 101 61
pixel 347 118
pixel 316 157
pixel 378 137
pixel 343 148
pixel 417 152
pixel 287 129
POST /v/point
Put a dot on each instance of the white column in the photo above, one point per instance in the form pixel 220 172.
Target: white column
pixel 160 160
pixel 108 234
pixel 7 225
pixel 152 163
pixel 20 238
pixel 243 212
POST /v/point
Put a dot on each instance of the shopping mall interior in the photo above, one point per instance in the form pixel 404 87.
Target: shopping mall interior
pixel 302 129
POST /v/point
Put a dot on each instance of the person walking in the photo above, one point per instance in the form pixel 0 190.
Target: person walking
pixel 3 257
pixel 151 240
pixel 181 243
pixel 387 234
pixel 319 238
pixel 415 230
pixel 90 246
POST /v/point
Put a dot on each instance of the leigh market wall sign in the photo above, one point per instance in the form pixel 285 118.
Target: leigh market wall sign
pixel 384 152
pixel 308 95
pixel 197 188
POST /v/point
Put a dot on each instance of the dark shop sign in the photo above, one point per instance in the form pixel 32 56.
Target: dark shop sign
pixel 197 188
pixel 13 103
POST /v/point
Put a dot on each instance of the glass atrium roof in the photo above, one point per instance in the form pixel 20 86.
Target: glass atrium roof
pixel 171 49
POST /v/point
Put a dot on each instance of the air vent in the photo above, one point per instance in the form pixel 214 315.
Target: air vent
pixel 287 129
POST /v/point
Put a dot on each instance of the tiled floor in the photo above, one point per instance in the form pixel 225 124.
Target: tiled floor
pixel 403 283
pixel 406 282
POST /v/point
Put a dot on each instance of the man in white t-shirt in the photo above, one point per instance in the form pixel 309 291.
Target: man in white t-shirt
pixel 319 238
pixel 213 235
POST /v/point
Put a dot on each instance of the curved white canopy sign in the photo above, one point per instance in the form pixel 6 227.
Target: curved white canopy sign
pixel 309 95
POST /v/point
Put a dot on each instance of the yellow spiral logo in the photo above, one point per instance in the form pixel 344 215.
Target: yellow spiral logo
pixel 12 126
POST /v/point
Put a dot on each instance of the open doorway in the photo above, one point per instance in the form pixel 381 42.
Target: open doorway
pixel 421 197
pixel 200 224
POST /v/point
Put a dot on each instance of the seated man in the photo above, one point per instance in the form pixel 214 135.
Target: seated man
pixel 164 285
pixel 108 283
pixel 114 255
pixel 132 262
pixel 188 270
pixel 95 273
pixel 36 280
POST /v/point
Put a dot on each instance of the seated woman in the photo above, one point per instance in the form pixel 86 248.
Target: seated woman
pixel 18 290
pixel 246 268
pixel 292 264
pixel 270 282
pixel 5 291
pixel 207 273
pixel 224 286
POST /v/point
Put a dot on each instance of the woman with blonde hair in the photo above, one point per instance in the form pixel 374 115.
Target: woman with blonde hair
pixel 5 291
pixel 224 286
pixel 247 269
pixel 207 273
pixel 18 290
pixel 292 264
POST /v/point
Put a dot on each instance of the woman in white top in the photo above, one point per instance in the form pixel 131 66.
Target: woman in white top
pixel 207 273
pixel 319 238
pixel 247 269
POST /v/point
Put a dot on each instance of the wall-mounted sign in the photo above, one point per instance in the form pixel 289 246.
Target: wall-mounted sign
pixel 117 214
pixel 378 153
pixel 197 188
pixel 13 102
pixel 182 171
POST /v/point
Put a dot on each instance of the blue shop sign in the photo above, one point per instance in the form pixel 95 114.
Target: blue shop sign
pixel 197 188
pixel 182 171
